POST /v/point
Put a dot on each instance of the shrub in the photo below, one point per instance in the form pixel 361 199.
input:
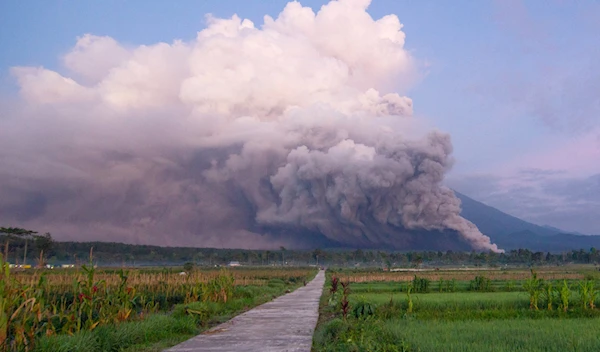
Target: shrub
pixel 363 309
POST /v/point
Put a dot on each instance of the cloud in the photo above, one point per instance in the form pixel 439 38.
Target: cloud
pixel 558 77
pixel 93 57
pixel 244 137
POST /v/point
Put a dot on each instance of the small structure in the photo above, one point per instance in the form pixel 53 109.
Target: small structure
pixel 234 263
pixel 67 266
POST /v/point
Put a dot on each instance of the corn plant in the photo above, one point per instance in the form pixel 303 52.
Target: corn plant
pixel 565 294
pixel 584 294
pixel 451 285
pixel 510 285
pixel 4 302
pixel 409 301
pixel 548 294
pixel 124 299
pixel 481 284
pixel 420 284
pixel 23 312
pixel 219 289
pixel 588 294
pixel 533 286
pixel 592 294
pixel 89 300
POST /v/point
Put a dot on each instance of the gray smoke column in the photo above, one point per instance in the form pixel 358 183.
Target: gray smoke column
pixel 245 137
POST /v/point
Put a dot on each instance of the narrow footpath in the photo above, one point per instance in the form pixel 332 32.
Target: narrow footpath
pixel 285 324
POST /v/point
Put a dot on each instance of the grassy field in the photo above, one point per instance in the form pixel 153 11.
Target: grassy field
pixel 479 314
pixel 91 309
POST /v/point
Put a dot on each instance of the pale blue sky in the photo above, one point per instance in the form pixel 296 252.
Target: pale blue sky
pixel 511 81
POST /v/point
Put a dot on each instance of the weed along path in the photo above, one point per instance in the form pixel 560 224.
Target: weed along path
pixel 285 324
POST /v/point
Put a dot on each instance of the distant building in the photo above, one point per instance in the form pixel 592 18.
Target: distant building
pixel 234 263
pixel 67 266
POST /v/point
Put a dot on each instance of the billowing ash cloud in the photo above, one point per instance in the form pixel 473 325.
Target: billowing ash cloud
pixel 288 134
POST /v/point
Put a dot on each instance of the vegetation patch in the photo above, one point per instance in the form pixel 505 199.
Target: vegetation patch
pixel 534 314
pixel 105 311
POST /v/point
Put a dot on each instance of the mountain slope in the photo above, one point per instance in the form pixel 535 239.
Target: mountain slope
pixel 510 232
pixel 496 224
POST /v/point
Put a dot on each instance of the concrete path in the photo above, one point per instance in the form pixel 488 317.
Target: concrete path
pixel 285 324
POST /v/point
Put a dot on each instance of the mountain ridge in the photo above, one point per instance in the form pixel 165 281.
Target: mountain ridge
pixel 510 232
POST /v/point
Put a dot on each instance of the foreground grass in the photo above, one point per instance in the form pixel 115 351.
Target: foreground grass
pixel 162 330
pixel 546 335
pixel 127 335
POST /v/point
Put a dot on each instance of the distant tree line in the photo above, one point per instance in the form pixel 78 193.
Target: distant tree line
pixel 28 247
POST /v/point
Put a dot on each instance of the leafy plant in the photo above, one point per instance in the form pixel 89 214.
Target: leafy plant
pixel 564 295
pixel 334 285
pixel 533 286
pixel 409 302
pixel 592 293
pixel 218 289
pixel 363 309
pixel 548 294
pixel 420 284
pixel 481 284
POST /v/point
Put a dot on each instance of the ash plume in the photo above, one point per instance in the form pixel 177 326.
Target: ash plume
pixel 291 133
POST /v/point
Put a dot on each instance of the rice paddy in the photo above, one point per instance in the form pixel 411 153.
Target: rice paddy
pixel 537 310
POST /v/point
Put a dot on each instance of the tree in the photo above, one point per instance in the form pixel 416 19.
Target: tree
pixel 316 253
pixel 44 243
pixel 188 267
pixel 17 232
pixel 358 255
pixel 593 254
pixel 253 257
pixel 261 257
pixel 282 255
pixel 198 257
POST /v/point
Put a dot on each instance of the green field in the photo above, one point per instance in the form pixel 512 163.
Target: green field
pixel 380 316
pixel 400 334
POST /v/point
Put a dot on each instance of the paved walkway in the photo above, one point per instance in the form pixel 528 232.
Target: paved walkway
pixel 285 324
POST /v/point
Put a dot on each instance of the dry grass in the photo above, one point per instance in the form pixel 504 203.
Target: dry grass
pixel 63 279
pixel 461 275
